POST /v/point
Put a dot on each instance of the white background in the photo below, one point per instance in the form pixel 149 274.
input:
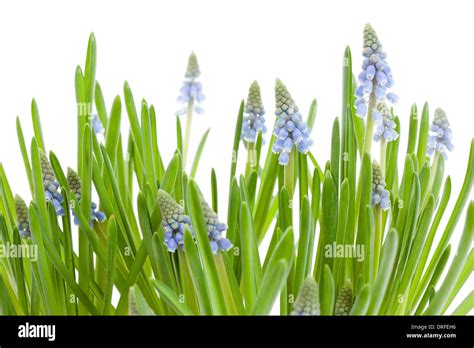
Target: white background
pixel 429 46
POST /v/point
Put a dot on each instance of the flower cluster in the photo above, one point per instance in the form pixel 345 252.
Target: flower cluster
pixel 376 76
pixel 344 300
pixel 23 222
pixel 290 129
pixel 384 121
pixel 50 184
pixel 74 182
pixel 307 301
pixel 173 221
pixel 215 229
pixel 191 91
pixel 380 196
pixel 441 135
pixel 254 121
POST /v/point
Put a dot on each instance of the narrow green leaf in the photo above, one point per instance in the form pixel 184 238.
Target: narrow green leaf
pixel 113 130
pixel 249 252
pixel 37 125
pixel 111 264
pixel 100 106
pixel 413 129
pixel 133 117
pixel 328 292
pixel 301 270
pixel 362 301
pixel 423 136
pixel 210 270
pixel 312 114
pixel 24 153
pixel 197 275
pixel 215 201
pixel 197 157
pixel 387 263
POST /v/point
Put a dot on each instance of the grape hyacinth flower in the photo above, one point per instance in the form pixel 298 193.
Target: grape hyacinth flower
pixel 75 184
pixel 344 300
pixel 380 196
pixel 215 229
pixel 253 122
pixel 440 139
pixel 307 301
pixel 290 128
pixel 191 91
pixel 50 184
pixel 384 121
pixel 97 125
pixel 23 222
pixel 173 221
pixel 191 96
pixel 376 76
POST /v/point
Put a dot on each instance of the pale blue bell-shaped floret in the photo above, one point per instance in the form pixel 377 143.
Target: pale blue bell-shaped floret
pixel 97 125
pixel 441 135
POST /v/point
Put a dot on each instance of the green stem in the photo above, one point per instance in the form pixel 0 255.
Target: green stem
pixel 187 134
pixel 369 128
pixel 383 163
pixel 383 156
pixel 251 158
pixel 289 173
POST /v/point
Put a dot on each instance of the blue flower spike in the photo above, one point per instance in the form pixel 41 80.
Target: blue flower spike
pixel 173 221
pixel 307 301
pixel 23 222
pixel 440 135
pixel 215 229
pixel 383 119
pixel 380 196
pixel 253 122
pixel 75 184
pixel 376 76
pixel 290 129
pixel 51 186
pixel 191 91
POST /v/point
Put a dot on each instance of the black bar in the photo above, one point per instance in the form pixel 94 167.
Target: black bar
pixel 133 331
